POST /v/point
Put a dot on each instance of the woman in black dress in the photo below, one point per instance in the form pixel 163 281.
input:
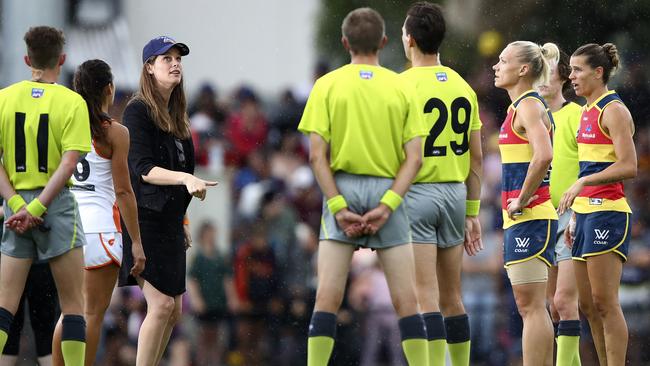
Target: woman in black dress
pixel 161 164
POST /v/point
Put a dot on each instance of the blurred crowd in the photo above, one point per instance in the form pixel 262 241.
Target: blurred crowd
pixel 251 304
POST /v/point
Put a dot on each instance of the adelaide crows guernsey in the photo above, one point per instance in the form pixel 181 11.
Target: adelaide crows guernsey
pixel 516 154
pixel 596 153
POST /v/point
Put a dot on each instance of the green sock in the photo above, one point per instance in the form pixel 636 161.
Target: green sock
pixel 459 353
pixel 73 339
pixel 322 330
pixel 6 318
pixel 74 352
pixel 437 351
pixel 416 351
pixel 568 343
pixel 414 340
pixel 3 340
pixel 436 337
pixel 576 358
pixel 319 350
pixel 567 350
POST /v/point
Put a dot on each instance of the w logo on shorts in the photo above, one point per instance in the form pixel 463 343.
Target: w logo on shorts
pixel 601 234
pixel 522 242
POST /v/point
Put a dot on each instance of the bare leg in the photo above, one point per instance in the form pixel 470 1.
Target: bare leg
pixel 538 331
pixel 159 310
pixel 587 307
pixel 605 274
pixel 98 289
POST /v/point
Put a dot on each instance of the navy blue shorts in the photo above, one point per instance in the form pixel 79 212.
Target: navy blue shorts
pixel 530 239
pixel 601 232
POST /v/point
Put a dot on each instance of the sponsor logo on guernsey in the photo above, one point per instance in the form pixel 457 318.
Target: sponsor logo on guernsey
pixel 595 201
pixel 521 245
pixel 441 76
pixel 366 75
pixel 588 134
pixel 502 133
pixel 37 92
pixel 601 236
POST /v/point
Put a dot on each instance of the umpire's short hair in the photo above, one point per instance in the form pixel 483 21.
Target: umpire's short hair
pixel 44 46
pixel 426 24
pixel 364 30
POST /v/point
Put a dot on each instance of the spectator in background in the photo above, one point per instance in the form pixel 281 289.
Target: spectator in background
pixel 481 279
pixel 247 129
pixel 207 115
pixel 257 287
pixel 207 121
pixel 212 295
pixel 369 295
pixel 277 214
pixel 286 118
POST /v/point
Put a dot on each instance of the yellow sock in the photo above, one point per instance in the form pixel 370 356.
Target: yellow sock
pixel 459 353
pixel 416 351
pixel 319 350
pixel 3 340
pixel 568 343
pixel 73 352
pixel 437 352
pixel 567 350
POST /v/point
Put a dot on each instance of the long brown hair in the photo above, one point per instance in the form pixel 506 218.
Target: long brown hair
pixel 89 81
pixel 170 118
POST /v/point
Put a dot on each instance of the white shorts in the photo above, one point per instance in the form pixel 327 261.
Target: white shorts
pixel 102 249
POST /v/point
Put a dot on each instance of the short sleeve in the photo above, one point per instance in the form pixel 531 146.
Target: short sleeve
pixel 76 131
pixel 414 125
pixel 315 117
pixel 476 119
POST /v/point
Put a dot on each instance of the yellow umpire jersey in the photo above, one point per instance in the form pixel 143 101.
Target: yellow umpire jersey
pixel 366 114
pixel 450 109
pixel 565 150
pixel 38 123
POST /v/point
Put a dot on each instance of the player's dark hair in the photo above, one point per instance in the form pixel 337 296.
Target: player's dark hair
pixel 426 24
pixel 90 81
pixel 564 70
pixel 364 30
pixel 44 46
pixel 605 56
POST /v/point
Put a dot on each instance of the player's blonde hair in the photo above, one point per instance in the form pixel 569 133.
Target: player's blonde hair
pixel 539 58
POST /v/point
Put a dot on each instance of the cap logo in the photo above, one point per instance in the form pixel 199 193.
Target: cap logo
pixel 168 40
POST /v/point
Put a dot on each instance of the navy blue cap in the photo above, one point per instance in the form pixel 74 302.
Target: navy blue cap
pixel 160 46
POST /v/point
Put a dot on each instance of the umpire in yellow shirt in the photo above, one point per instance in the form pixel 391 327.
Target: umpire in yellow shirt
pixel 44 127
pixel 368 118
pixel 443 203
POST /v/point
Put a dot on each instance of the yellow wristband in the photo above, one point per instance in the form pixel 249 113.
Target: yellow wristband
pixel 336 204
pixel 16 202
pixel 36 208
pixel 391 199
pixel 472 207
